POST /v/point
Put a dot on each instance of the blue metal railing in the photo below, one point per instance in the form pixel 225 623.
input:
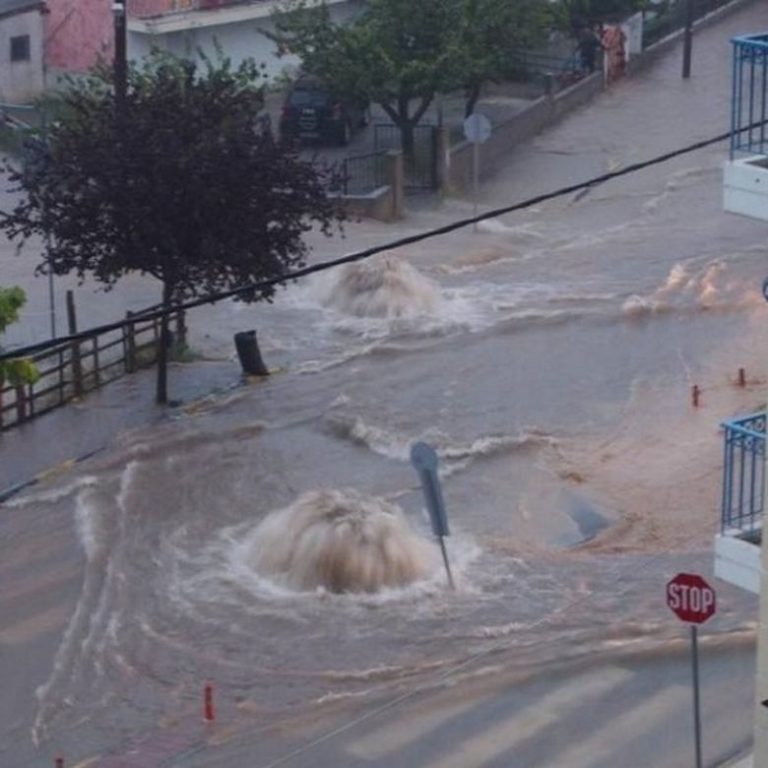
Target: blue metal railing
pixel 743 473
pixel 749 95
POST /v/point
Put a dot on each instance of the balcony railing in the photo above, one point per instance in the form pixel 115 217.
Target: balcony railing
pixel 749 95
pixel 151 8
pixel 743 474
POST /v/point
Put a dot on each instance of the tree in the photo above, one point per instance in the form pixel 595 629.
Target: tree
pixel 572 15
pixel 20 370
pixel 395 53
pixel 184 185
pixel 493 32
pixel 400 55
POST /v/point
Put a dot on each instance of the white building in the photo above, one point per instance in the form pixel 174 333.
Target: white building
pixel 22 69
pixel 184 27
pixel 741 551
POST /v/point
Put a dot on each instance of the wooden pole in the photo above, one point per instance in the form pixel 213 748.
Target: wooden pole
pixel 688 39
pixel 129 334
pixel 181 329
pixel 77 364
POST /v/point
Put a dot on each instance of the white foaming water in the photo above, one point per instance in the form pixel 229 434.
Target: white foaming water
pixel 453 454
pixel 383 287
pixel 339 541
pixel 708 288
pixel 51 495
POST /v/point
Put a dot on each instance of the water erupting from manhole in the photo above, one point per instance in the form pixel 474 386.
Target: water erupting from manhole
pixel 385 286
pixel 341 541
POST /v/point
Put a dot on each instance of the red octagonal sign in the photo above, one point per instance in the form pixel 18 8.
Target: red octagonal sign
pixel 691 598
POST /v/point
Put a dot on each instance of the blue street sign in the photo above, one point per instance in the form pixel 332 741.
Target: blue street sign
pixel 424 460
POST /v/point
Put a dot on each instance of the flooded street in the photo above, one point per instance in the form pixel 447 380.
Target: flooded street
pixel 548 358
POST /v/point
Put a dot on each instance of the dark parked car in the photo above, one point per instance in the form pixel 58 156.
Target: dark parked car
pixel 313 111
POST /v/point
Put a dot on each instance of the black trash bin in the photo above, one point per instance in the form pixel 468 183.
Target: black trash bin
pixel 249 355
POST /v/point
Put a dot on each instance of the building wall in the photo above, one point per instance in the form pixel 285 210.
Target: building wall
pixel 21 80
pixel 77 32
pixel 143 8
pixel 761 684
pixel 238 40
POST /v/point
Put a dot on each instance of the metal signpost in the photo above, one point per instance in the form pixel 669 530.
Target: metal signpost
pixel 477 129
pixel 688 39
pixel 424 460
pixel 693 601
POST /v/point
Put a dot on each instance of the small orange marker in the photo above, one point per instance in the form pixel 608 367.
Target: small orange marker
pixel 209 714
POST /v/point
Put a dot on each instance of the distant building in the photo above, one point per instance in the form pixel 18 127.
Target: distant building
pixel 183 26
pixel 40 40
pixel 741 549
pixel 22 72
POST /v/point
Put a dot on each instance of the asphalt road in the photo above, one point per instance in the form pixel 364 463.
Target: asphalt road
pixel 633 711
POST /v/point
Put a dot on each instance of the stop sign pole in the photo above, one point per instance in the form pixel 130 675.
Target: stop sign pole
pixel 693 601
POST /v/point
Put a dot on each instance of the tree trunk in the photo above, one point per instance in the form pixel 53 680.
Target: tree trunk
pixel 162 352
pixel 406 139
pixel 473 94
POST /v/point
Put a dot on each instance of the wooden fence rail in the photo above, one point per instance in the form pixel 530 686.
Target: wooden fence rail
pixel 69 370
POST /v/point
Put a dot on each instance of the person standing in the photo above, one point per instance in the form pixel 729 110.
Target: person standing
pixel 588 46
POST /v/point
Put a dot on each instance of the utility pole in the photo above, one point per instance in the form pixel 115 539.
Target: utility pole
pixel 688 39
pixel 121 55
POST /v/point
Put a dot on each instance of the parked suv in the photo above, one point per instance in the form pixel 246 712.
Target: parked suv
pixel 313 111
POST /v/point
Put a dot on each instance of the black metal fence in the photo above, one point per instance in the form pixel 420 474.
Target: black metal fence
pixel 548 72
pixel 362 174
pixel 420 164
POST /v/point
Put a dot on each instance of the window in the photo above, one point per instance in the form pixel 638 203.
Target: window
pixel 20 48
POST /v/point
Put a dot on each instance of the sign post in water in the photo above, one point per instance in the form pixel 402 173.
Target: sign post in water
pixel 424 460
pixel 477 130
pixel 693 601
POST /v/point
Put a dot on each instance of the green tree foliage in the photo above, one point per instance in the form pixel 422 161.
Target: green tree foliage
pixel 491 32
pixel 397 54
pixel 400 55
pixel 21 370
pixel 572 15
pixel 183 185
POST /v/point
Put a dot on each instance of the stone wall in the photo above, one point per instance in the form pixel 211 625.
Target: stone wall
pixel 456 170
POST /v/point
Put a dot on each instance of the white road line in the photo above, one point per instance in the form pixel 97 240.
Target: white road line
pixel 498 738
pixel 53 619
pixel 610 737
pixel 408 729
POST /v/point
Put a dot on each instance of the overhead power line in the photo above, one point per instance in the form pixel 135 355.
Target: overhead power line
pixel 368 252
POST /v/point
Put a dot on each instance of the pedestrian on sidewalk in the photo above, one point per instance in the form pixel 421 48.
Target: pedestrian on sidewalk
pixel 588 46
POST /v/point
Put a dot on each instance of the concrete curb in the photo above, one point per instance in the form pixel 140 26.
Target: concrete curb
pixel 46 474
pixel 739 762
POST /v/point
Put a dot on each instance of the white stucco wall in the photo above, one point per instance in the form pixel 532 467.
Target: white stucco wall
pixel 21 80
pixel 238 39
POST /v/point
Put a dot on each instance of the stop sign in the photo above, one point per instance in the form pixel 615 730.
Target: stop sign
pixel 691 598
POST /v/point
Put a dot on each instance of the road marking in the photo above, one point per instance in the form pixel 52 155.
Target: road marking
pixel 405 731
pixel 32 584
pixel 88 763
pixel 41 623
pixel 609 739
pixel 500 737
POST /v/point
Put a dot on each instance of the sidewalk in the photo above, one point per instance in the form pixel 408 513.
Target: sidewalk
pixel 79 429
pixel 741 762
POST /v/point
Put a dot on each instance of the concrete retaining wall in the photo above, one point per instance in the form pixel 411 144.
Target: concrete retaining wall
pixel 385 203
pixel 457 170
pixel 650 54
pixel 455 166
pixel 379 204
